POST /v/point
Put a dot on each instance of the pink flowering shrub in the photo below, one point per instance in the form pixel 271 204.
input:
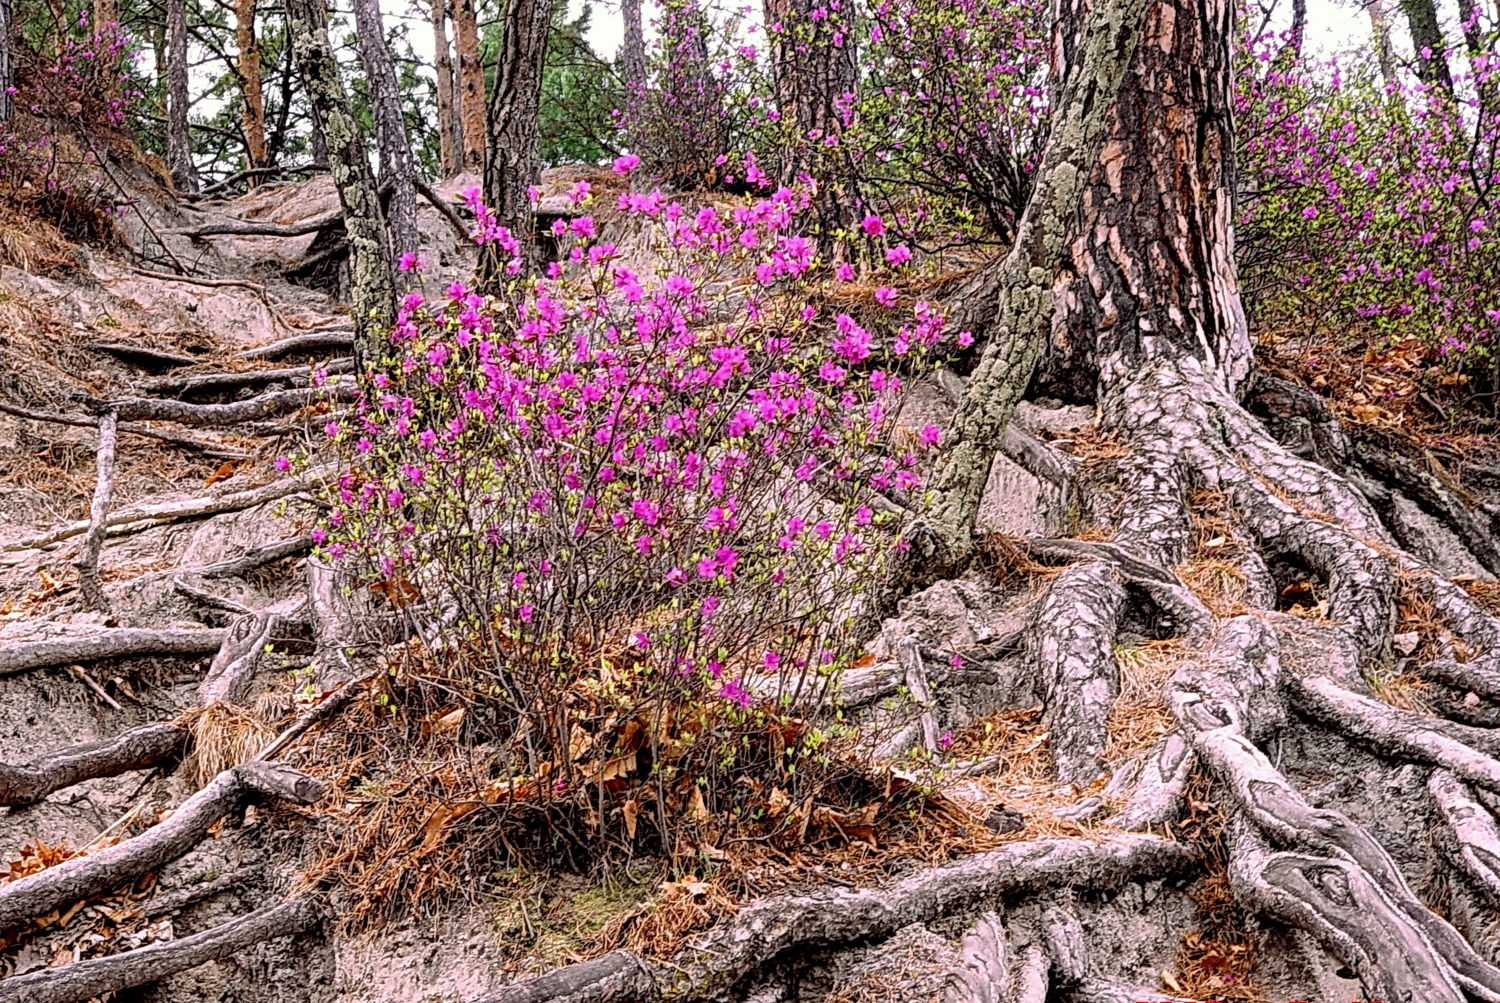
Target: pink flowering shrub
pixel 1371 210
pixel 651 487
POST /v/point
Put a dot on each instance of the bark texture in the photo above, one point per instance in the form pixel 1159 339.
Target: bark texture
pixel 633 49
pixel 252 87
pixel 137 749
pixel 89 588
pixel 179 144
pixel 512 157
pixel 373 290
pixel 450 142
pixel 1015 297
pixel 397 167
pixel 470 85
pixel 1428 45
pixel 7 59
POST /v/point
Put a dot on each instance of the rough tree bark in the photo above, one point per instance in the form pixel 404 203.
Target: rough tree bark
pixel 1014 296
pixel 470 85
pixel 1380 35
pixel 398 169
pixel 253 109
pixel 1427 43
pixel 373 298
pixel 449 141
pixel 179 146
pixel 512 155
pixel 813 62
pixel 632 50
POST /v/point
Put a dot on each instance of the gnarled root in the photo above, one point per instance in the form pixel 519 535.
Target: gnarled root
pixel 86 979
pixel 82 877
pixel 772 927
pixel 137 749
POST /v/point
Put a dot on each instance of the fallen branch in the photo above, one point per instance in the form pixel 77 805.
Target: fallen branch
pixel 213 449
pixel 320 711
pixel 80 878
pixel 264 406
pixel 443 207
pixel 248 228
pixel 767 929
pixel 114 642
pixel 89 590
pixel 130 519
pixel 332 337
pixel 207 598
pixel 195 280
pixel 84 980
pixel 137 749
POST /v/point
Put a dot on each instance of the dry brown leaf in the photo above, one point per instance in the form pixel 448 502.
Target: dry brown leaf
pixel 631 810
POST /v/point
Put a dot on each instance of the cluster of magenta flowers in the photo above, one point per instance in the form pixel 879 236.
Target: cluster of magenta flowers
pixel 668 445
pixel 1371 203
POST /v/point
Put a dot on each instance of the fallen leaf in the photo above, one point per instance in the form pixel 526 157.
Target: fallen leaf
pixel 631 810
pixel 226 470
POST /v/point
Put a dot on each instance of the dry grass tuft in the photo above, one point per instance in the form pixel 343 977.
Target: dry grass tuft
pixel 223 736
pixel 1140 716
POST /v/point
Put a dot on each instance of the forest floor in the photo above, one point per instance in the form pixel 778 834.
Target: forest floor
pixel 218 537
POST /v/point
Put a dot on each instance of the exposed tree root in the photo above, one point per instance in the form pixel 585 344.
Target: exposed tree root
pixel 243 228
pixel 87 979
pixel 213 449
pixel 334 336
pixel 233 668
pixel 137 517
pixel 90 591
pixel 265 406
pixel 1475 842
pixel 137 749
pixel 183 384
pixel 96 873
pixel 772 927
pixel 19 656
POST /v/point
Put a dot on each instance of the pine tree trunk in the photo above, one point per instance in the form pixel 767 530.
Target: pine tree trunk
pixel 633 50
pixel 107 25
pixel 253 111
pixel 374 292
pixel 813 61
pixel 397 169
pixel 7 60
pixel 1427 42
pixel 513 158
pixel 470 85
pixel 449 142
pixel 179 145
pixel 1380 32
pixel 1152 270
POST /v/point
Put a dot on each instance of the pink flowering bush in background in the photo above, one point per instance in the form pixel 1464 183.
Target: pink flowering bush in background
pixel 661 474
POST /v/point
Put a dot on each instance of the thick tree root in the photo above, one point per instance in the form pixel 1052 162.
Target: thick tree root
pixel 82 877
pixel 265 406
pixel 333 336
pixel 233 668
pixel 1475 838
pixel 90 591
pixel 87 979
pixel 774 926
pixel 213 449
pixel 189 383
pixel 127 520
pixel 21 656
pixel 137 749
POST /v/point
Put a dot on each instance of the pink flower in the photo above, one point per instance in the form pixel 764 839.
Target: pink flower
pixel 737 695
pixel 885 296
pixel 898 255
pixel 931 435
pixel 873 225
pixel 282 463
pixel 627 163
pixel 526 612
pixel 411 261
pixel 845 272
pixel 965 339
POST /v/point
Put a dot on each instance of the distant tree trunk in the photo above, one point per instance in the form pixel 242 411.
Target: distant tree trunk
pixel 1298 30
pixel 253 111
pixel 7 60
pixel 449 143
pixel 514 149
pixel 179 146
pixel 397 169
pixel 1380 30
pixel 1427 42
pixel 374 291
pixel 813 60
pixel 470 84
pixel 107 24
pixel 633 51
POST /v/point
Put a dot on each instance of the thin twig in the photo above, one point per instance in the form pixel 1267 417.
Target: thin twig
pixel 89 589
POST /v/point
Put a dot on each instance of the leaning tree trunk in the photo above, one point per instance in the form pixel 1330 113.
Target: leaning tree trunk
pixel 1380 34
pixel 373 299
pixel 179 147
pixel 513 152
pixel 397 169
pixel 470 84
pixel 1427 42
pixel 449 143
pixel 253 110
pixel 813 60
